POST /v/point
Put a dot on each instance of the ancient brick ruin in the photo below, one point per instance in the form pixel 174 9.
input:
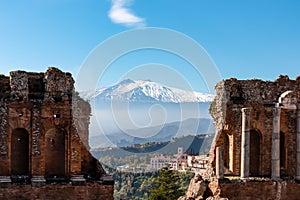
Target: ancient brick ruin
pixel 256 124
pixel 44 138
pixel 256 150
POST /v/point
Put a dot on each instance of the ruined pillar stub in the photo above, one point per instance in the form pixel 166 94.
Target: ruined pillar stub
pixel 276 144
pixel 245 148
pixel 298 143
pixel 219 163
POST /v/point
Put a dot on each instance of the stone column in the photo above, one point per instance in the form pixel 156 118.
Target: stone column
pixel 298 143
pixel 276 144
pixel 245 154
pixel 219 163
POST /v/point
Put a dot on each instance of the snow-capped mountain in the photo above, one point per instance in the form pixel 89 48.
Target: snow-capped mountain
pixel 145 91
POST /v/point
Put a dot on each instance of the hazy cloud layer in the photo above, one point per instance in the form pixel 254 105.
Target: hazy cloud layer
pixel 121 14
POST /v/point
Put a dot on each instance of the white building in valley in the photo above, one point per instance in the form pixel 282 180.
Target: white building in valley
pixel 159 161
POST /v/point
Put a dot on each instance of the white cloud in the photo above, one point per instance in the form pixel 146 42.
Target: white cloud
pixel 121 14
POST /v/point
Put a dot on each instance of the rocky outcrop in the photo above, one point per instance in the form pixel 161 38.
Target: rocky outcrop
pixel 202 189
pixel 196 188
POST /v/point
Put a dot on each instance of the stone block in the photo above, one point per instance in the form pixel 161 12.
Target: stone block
pixel 38 181
pixel 5 181
pixel 77 180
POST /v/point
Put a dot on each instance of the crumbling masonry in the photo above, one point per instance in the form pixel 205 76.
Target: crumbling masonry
pixel 256 125
pixel 256 149
pixel 44 138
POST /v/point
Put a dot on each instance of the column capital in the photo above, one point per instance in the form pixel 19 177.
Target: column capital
pixel 276 111
pixel 245 111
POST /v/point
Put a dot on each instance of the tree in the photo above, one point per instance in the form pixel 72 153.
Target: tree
pixel 166 186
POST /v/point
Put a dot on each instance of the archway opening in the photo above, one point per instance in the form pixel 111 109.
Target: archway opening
pixel 254 153
pixel 282 150
pixel 225 144
pixel 55 153
pixel 20 152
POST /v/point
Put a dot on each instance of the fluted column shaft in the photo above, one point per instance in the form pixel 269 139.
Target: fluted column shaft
pixel 276 144
pixel 245 151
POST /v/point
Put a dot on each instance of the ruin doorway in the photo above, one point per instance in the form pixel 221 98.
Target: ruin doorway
pixel 55 153
pixel 226 151
pixel 254 153
pixel 224 142
pixel 20 152
pixel 282 150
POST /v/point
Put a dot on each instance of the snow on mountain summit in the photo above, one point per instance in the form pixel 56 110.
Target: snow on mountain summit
pixel 146 91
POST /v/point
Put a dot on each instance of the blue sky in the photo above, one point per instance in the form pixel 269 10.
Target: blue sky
pixel 245 39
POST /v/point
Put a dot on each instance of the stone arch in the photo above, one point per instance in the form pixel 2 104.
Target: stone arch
pixel 255 156
pixel 19 152
pixel 55 153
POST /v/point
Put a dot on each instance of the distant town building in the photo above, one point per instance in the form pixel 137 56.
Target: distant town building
pixel 180 151
pixel 159 161
pixel 179 162
pixel 198 162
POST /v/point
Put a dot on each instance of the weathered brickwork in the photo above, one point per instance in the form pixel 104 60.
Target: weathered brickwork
pixel 265 132
pixel 44 134
pixel 260 96
pixel 263 190
pixel 58 192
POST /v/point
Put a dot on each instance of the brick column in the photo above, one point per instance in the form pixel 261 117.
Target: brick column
pixel 276 144
pixel 37 168
pixel 79 126
pixel 219 163
pixel 245 148
pixel 76 177
pixel 5 180
pixel 298 143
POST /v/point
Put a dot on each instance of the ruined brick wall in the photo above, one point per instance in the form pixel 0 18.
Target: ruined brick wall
pixel 44 128
pixel 260 96
pixel 264 189
pixel 58 192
